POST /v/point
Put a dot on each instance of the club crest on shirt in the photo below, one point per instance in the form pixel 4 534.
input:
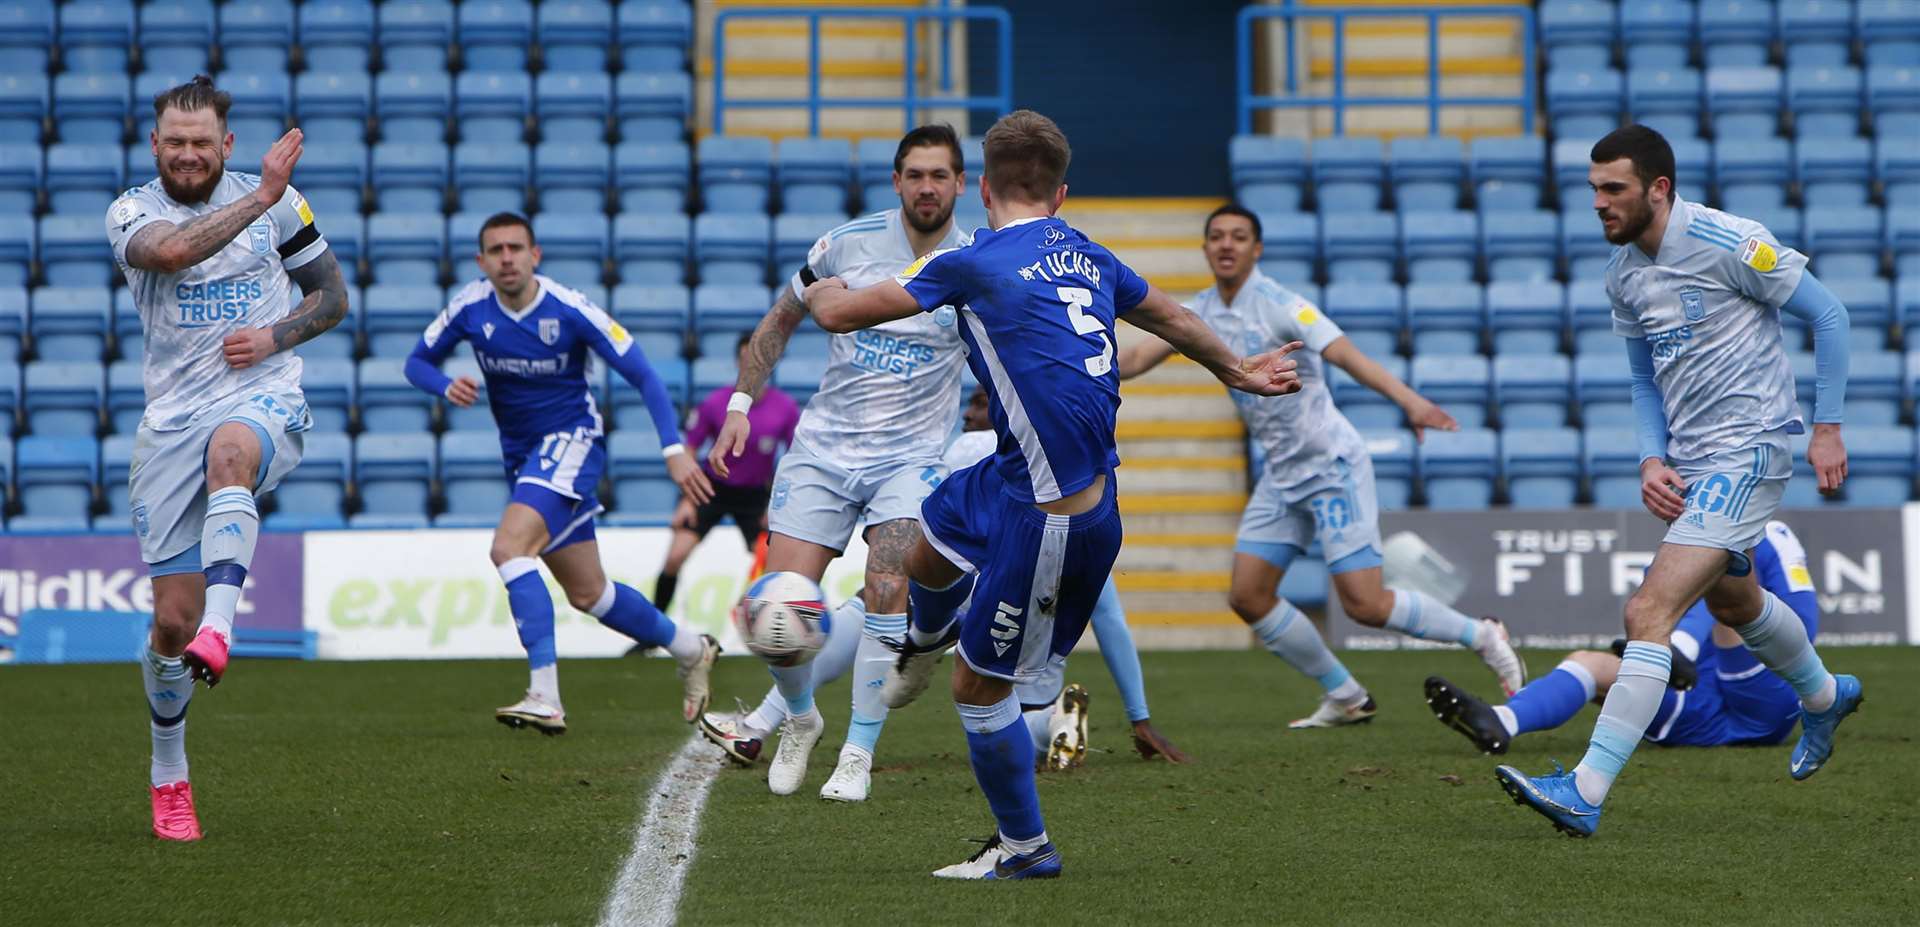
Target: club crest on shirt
pixel 486 328
pixel 260 237
pixel 1693 304
pixel 944 316
pixel 549 331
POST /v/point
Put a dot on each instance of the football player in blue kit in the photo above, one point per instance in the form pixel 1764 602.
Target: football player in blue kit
pixel 532 337
pixel 1032 532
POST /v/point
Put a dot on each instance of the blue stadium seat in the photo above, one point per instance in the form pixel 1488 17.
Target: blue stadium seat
pixel 333 177
pixel 1876 384
pixel 18 239
pixel 651 177
pixel 652 106
pixel 55 477
pixel 1521 244
pixel 1817 33
pixel 24 102
pixel 1265 168
pixel 575 34
pixel 732 247
pixel 1440 247
pixel 572 106
pixel 1526 316
pixel 1508 172
pixel 471 474
pixel 1890 30
pixel 1903 239
pixel 21 177
pixel 329 386
pixel 1348 172
pixel 477 417
pixel 82 180
pixel 574 248
pixel 1371 314
pixel 728 309
pixel 734 172
pixel 1753 173
pixel 654 309
pixel 1427 172
pixel 405 248
pixel 1393 465
pixel 412 105
pixel 717 369
pixel 1834 172
pixel 1291 245
pixel 1869 302
pixel 312 495
pixel 336 35
pixel 332 107
pixel 1603 384
pixel 397 314
pixel 1880 465
pixel 1532 390
pixel 1693 160
pixel 64 398
pixel 1736 33
pixel 346 238
pixel 572 177
pixel 654 35
pixel 1445 318
pixel 1893 101
pixel 1826 100
pixel 1542 466
pixel 1577 33
pixel 1362 406
pixel 800 376
pixel 96 35
pixel 129 336
pixel 652 249
pixel 1584 103
pixel 13 326
pixel 255 35
pixel 71 323
pixel 811 342
pixel 643 501
pixel 415 36
pixel 1744 102
pixel 73 250
pixel 1784 222
pixel 1361 246
pixel 10 413
pixel 1843 242
pixel 1906 301
pixel 814 175
pixel 494 33
pixel 873 171
pixel 492 106
pixel 1610 457
pixel 394 473
pixel 1896 163
pixel 491 176
pixel 1666 99
pixel 26 38
pixel 1585 246
pixel 629 408
pixel 1458 467
pixel 388 403
pixel 1656 33
pixel 794 235
pixel 116 475
pixel 91 107
pixel 1460 383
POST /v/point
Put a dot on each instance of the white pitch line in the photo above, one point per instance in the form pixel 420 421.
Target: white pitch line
pixel 647 890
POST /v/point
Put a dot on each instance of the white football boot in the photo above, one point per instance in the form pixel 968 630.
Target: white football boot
pixel 1067 730
pixel 1498 653
pixel 1333 714
pixel 535 712
pixel 852 778
pixel 798 734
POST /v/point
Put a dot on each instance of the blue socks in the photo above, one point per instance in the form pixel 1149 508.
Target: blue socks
pixel 796 687
pixel 1549 701
pixel 1629 708
pixel 624 609
pixel 1116 647
pixel 1779 639
pixel 1002 754
pixel 532 609
pixel 933 609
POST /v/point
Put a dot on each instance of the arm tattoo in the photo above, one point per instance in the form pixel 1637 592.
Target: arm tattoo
pixel 769 341
pixel 168 248
pixel 322 306
pixel 887 547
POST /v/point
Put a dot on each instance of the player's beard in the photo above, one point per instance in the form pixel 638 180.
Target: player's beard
pixel 938 221
pixel 192 193
pixel 1632 224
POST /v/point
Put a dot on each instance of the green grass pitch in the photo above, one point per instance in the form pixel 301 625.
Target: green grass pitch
pixel 384 793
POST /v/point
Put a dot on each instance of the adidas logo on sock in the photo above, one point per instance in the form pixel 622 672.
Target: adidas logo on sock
pixel 228 530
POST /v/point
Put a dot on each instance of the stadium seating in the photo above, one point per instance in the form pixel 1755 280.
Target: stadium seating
pixel 1393 466
pixel 96 35
pixel 1457 468
pixel 313 495
pixel 1541 466
pixel 1269 174
pixel 1526 316
pixel 1348 172
pixel 1602 386
pixel 1446 318
pixel 1656 33
pixel 416 36
pixel 116 474
pixel 64 398
pixel 393 474
pixel 336 35
pixel 575 35
pixel 54 478
pixel 1371 314
pixel 1363 407
pixel 9 399
pixel 471 473
pixel 388 403
pixel 127 396
pixel 1460 383
pixel 26 37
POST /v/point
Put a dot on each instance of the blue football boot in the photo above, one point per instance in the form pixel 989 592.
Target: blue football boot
pixel 1554 796
pixel 1816 730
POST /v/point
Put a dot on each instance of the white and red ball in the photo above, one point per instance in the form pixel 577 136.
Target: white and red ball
pixel 784 619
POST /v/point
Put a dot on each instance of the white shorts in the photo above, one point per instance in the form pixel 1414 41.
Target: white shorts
pixel 169 471
pixel 820 502
pixel 1732 495
pixel 1341 509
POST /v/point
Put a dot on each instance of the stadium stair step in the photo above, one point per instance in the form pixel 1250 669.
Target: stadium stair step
pixel 1159 237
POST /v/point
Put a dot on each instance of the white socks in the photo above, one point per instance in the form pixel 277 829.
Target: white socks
pixel 546 684
pixel 226 551
pixel 1417 614
pixel 169 688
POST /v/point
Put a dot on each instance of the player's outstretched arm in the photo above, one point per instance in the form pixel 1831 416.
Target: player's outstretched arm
pixel 322 305
pixel 1269 374
pixel 616 347
pixel 166 248
pixel 1662 490
pixel 1813 303
pixel 840 310
pixel 1142 356
pixel 1421 412
pixel 765 347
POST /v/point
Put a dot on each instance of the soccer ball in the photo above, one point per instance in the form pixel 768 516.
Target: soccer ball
pixel 784 618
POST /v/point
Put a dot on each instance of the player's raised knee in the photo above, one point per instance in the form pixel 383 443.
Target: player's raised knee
pixel 232 456
pixel 1648 619
pixel 1251 603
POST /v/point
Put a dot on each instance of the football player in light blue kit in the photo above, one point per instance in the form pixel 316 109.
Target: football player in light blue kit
pixel 1698 294
pixel 211 258
pixel 533 338
pixel 1317 482
pixel 1719 693
pixel 1031 534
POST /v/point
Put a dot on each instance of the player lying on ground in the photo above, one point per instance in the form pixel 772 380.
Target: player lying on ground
pixel 209 257
pixel 1032 534
pixel 1317 482
pixel 867 448
pixel 1697 293
pixel 531 336
pixel 1719 693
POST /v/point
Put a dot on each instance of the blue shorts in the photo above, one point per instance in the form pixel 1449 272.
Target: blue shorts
pixel 560 478
pixel 1039 575
pixel 1737 701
